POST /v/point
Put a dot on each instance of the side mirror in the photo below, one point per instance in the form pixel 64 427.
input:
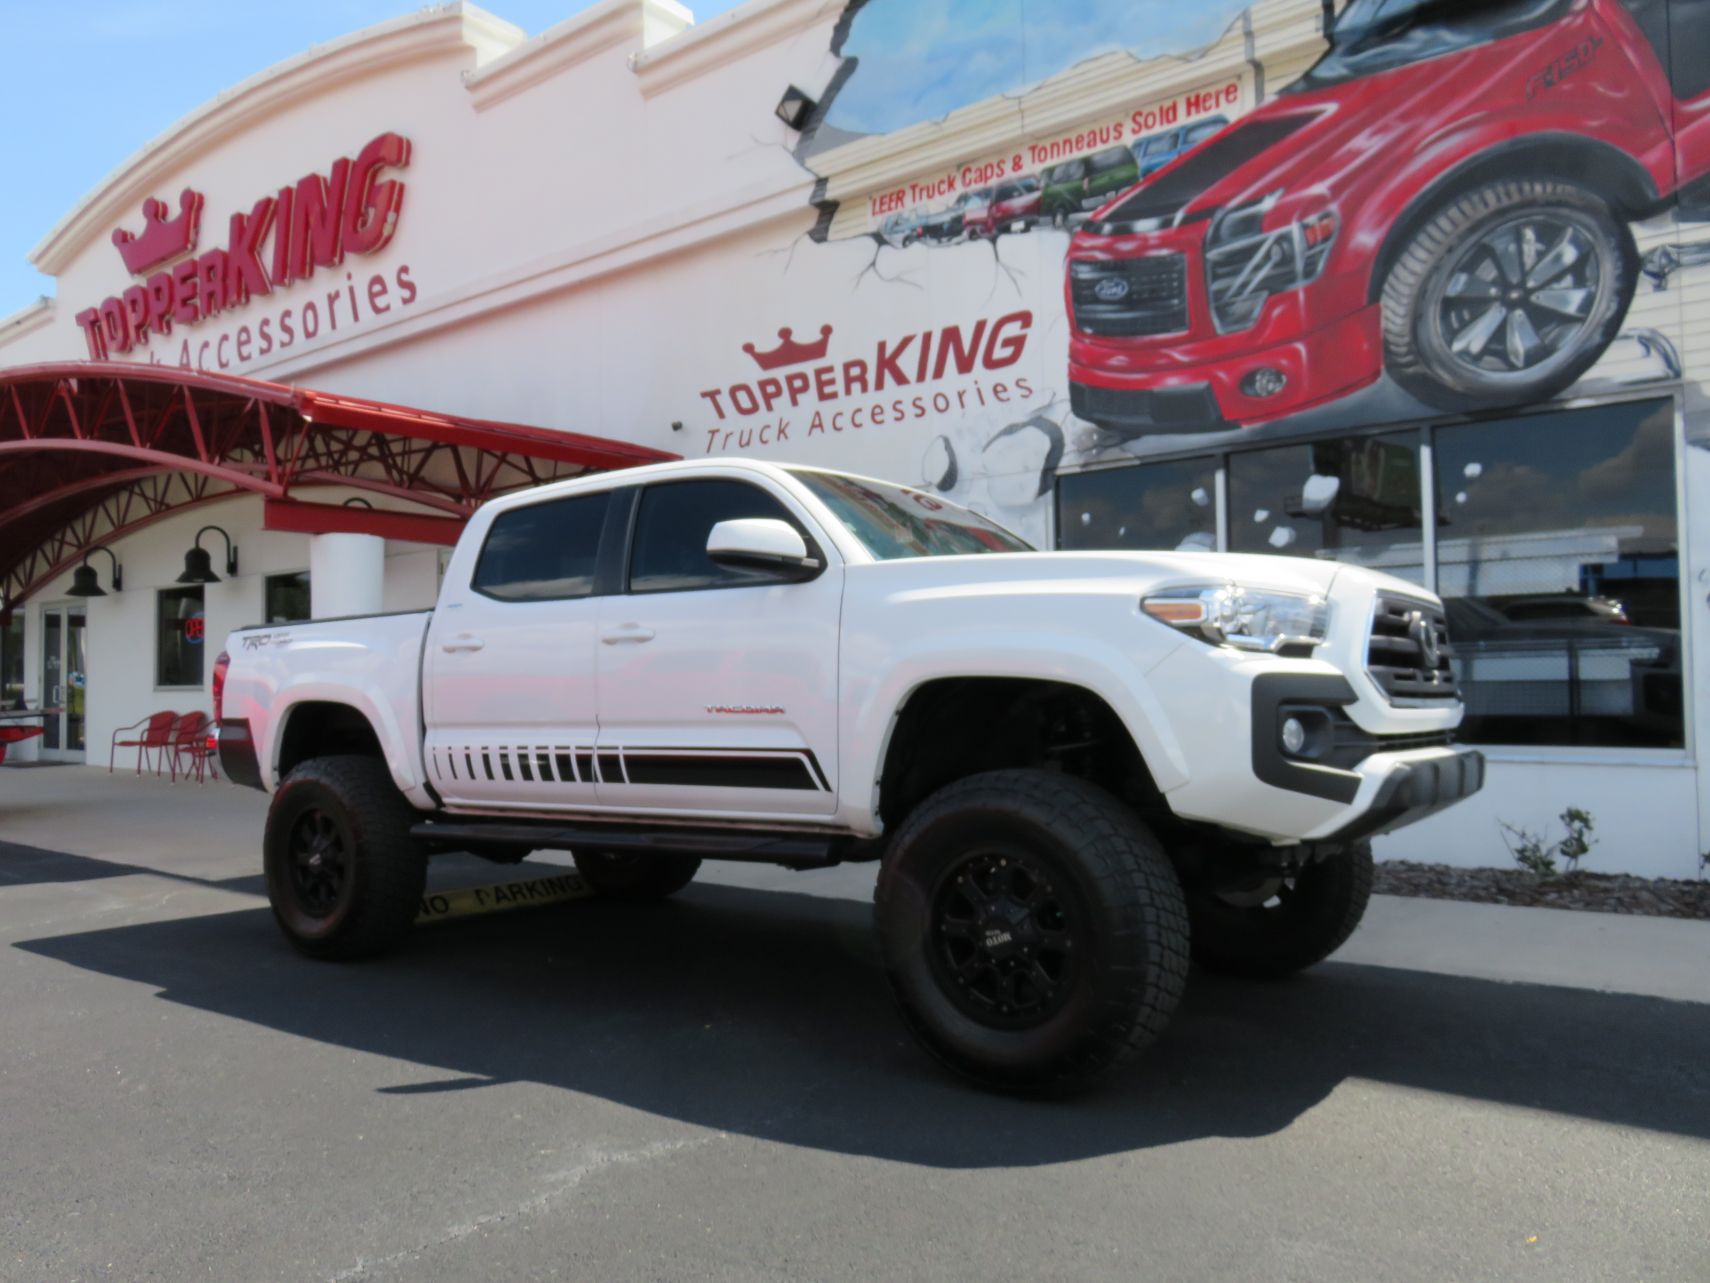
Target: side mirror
pixel 762 543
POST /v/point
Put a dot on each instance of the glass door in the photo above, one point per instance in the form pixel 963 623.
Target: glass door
pixel 64 684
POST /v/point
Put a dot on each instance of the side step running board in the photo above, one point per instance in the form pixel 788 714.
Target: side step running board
pixel 806 850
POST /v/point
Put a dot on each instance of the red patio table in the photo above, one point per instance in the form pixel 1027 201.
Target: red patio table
pixel 12 728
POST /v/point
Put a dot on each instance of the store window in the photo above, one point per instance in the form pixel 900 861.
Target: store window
pixel 1558 557
pixel 1555 541
pixel 180 627
pixel 1170 506
pixel 1350 498
pixel 286 598
pixel 544 552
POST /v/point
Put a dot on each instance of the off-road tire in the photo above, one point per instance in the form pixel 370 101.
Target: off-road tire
pixel 1416 352
pixel 1117 892
pixel 385 869
pixel 622 876
pixel 1309 919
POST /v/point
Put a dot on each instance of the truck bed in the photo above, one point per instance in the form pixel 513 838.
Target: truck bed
pixel 369 662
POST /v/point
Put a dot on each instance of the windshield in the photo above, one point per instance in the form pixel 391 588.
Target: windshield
pixel 1378 35
pixel 893 522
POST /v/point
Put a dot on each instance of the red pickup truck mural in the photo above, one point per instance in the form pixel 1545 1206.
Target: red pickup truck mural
pixel 1445 198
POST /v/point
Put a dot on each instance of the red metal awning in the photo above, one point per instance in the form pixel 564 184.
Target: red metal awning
pixel 91 452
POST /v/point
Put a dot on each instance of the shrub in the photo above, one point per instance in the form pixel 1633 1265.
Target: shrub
pixel 1533 854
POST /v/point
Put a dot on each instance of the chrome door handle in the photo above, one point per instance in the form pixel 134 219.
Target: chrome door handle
pixel 463 641
pixel 627 633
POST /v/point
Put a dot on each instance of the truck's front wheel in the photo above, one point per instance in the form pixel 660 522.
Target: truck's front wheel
pixel 1507 295
pixel 344 876
pixel 1032 928
pixel 1278 925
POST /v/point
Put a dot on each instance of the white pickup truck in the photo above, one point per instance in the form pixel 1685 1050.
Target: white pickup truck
pixel 1076 768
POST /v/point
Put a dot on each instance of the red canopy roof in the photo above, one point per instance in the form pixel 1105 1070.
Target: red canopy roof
pixel 90 452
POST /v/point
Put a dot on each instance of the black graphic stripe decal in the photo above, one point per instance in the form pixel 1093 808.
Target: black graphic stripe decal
pixel 789 769
pixel 731 772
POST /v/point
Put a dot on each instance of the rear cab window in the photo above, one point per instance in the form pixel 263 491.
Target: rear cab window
pixel 545 552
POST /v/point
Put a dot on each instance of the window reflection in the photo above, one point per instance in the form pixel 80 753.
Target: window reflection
pixel 1351 498
pixel 1155 506
pixel 1558 557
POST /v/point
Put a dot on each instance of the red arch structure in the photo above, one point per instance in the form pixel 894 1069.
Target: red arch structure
pixel 93 451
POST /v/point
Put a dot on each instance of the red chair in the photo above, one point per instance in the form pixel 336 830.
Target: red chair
pixel 191 739
pixel 156 735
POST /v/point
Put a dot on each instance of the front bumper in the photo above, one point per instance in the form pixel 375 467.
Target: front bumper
pixel 1413 790
pixel 1415 774
pixel 1370 767
pixel 1179 385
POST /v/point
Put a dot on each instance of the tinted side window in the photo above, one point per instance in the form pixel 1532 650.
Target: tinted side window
pixel 670 552
pixel 544 552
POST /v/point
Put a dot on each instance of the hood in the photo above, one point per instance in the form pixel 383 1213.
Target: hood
pixel 1105 572
pixel 1098 571
pixel 1337 126
pixel 1163 198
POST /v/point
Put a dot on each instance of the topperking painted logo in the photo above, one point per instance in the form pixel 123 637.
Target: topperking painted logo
pixel 816 388
pixel 282 238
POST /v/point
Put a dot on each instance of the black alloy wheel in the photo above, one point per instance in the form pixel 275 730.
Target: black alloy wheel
pixel 1032 929
pixel 1003 944
pixel 319 856
pixel 344 875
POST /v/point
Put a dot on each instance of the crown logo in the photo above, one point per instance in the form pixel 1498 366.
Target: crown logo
pixel 161 239
pixel 788 351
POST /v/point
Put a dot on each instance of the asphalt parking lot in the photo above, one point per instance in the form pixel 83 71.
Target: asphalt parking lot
pixel 716 1088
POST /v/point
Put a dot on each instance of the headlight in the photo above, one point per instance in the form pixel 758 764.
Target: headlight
pixel 1256 619
pixel 1245 264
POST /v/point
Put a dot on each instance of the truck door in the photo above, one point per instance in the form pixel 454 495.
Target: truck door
pixel 718 686
pixel 508 680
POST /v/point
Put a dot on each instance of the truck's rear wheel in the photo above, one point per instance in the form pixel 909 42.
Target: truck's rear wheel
pixel 1032 929
pixel 620 875
pixel 344 876
pixel 1279 925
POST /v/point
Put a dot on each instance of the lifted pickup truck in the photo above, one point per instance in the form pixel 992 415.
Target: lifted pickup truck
pixel 1075 768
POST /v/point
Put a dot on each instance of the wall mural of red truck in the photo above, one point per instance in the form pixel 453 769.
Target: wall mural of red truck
pixel 1445 198
pixel 1309 215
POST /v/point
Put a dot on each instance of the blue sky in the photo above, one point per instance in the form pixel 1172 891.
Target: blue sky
pixel 87 82
pixel 921 59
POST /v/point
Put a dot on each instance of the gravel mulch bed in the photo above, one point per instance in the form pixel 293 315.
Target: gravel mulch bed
pixel 1598 892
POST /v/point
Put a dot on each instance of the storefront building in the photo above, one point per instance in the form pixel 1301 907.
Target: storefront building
pixel 1423 288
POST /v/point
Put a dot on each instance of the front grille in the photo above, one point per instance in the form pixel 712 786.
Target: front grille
pixel 1397 657
pixel 1130 298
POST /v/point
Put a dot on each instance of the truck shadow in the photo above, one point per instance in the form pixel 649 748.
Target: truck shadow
pixel 764 1013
